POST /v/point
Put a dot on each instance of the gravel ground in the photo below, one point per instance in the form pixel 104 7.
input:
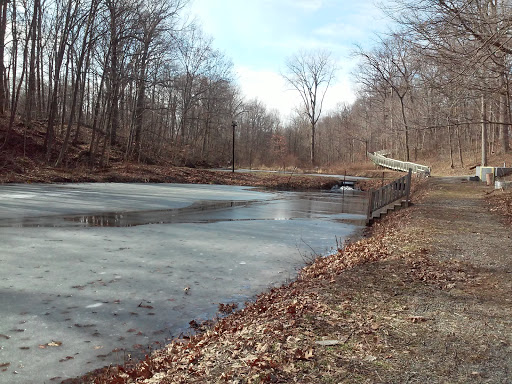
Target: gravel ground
pixel 440 304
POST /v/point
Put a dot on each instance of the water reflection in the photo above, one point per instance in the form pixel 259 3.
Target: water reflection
pixel 288 206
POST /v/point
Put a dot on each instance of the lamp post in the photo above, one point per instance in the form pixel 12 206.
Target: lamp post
pixel 233 124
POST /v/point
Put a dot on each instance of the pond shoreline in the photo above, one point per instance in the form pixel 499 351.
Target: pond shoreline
pixel 118 285
pixel 140 173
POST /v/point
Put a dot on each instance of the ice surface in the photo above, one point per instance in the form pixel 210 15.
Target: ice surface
pixel 106 292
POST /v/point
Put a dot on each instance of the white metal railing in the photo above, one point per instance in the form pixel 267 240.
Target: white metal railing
pixel 404 166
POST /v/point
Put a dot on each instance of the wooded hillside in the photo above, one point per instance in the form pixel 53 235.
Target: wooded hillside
pixel 440 82
pixel 137 80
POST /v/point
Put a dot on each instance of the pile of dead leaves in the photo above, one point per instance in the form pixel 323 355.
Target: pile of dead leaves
pixel 365 250
pixel 501 202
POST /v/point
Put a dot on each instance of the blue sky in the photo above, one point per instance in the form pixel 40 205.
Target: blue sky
pixel 258 36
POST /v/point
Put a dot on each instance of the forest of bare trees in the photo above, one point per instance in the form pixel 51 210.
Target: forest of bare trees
pixel 439 84
pixel 435 88
pixel 132 75
pixel 134 79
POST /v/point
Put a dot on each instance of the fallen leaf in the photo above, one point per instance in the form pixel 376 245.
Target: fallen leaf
pixel 327 343
pixel 417 319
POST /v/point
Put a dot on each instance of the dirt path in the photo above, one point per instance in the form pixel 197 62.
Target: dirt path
pixel 425 299
pixel 441 306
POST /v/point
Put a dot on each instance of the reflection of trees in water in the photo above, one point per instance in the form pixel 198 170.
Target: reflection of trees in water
pixel 291 206
pixel 115 220
pixel 350 201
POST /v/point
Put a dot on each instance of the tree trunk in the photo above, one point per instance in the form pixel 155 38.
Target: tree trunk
pixel 504 106
pixel 406 127
pixel 77 82
pixel 54 97
pixel 484 132
pixel 312 153
pixel 16 90
pixel 114 72
pixel 96 113
pixel 39 66
pixel 450 145
pixel 31 92
pixel 141 95
pixel 460 148
pixel 65 95
pixel 3 75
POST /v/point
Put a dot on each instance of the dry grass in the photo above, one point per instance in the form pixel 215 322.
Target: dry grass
pixel 441 164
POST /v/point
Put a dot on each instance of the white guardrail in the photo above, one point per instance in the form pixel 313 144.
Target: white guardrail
pixel 379 158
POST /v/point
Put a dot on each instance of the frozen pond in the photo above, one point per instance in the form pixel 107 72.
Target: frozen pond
pixel 90 273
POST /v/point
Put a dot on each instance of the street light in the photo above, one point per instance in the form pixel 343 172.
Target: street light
pixel 233 124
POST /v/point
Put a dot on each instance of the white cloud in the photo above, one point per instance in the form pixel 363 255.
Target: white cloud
pixel 258 35
pixel 339 30
pixel 266 86
pixel 307 5
pixel 340 92
pixel 270 88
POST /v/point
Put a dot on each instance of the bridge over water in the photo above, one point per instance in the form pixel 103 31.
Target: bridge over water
pixel 380 158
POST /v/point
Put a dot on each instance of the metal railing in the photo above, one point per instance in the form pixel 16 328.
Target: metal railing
pixel 379 159
pixel 396 190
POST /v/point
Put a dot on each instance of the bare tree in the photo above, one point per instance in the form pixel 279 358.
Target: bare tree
pixel 155 20
pixel 77 85
pixel 468 40
pixel 3 75
pixel 310 73
pixel 391 64
pixel 69 10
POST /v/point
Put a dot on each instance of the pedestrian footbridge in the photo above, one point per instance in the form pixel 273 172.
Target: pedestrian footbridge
pixel 380 158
